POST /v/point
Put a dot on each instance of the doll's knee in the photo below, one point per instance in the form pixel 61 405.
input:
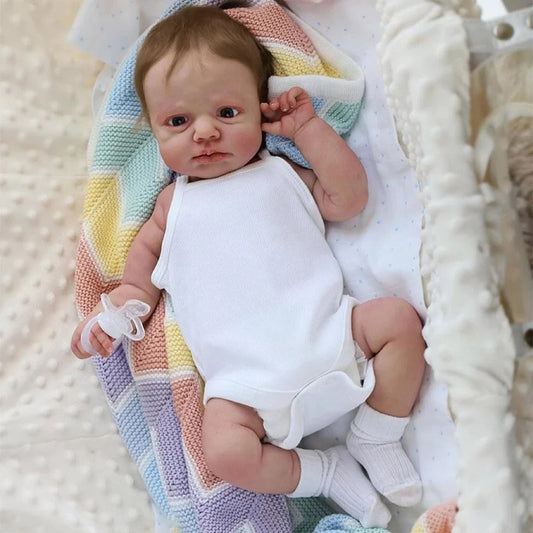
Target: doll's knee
pixel 231 458
pixel 407 321
pixel 230 441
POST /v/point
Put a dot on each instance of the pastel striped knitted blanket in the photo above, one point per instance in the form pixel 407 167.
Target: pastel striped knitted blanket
pixel 152 386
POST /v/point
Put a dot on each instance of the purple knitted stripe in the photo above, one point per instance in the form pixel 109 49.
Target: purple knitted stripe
pixel 267 513
pixel 169 450
pixel 114 374
pixel 155 396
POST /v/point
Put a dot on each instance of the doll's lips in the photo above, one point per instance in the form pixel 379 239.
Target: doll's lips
pixel 210 157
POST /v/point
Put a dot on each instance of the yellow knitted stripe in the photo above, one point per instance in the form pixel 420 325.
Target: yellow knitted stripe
pixel 99 187
pixel 112 258
pixel 179 355
pixel 102 215
pixel 289 64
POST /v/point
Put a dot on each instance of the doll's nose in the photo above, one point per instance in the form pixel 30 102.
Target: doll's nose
pixel 205 129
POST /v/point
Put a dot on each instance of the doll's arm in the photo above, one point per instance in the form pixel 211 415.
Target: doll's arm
pixel 338 180
pixel 136 289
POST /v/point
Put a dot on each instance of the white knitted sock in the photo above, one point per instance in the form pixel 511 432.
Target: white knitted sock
pixel 335 474
pixel 374 440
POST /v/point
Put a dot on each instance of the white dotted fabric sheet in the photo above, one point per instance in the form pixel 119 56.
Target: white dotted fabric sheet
pixel 63 465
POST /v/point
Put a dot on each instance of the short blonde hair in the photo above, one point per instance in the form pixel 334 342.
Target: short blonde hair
pixel 191 28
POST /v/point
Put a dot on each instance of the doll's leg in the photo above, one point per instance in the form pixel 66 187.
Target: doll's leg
pixel 232 437
pixel 389 330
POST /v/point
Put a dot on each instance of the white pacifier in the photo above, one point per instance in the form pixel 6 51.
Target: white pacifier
pixel 117 322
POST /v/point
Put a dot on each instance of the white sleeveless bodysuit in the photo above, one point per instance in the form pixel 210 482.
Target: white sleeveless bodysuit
pixel 258 295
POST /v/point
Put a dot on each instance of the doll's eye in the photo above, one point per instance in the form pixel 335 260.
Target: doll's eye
pixel 177 121
pixel 228 112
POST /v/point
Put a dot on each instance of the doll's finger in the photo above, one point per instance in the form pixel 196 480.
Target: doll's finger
pixel 274 103
pixel 271 127
pixel 84 353
pixel 77 349
pixel 95 344
pixel 101 343
pixel 284 102
pixel 76 346
pixel 292 96
pixel 286 99
pixel 107 344
pixel 267 112
pixel 295 92
pixel 265 109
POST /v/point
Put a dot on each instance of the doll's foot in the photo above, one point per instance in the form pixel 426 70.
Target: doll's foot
pixel 335 474
pixel 374 441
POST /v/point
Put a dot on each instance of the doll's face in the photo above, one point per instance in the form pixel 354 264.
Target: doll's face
pixel 205 115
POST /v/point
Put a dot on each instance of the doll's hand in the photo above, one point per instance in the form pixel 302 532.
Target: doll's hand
pixel 100 341
pixel 101 332
pixel 287 113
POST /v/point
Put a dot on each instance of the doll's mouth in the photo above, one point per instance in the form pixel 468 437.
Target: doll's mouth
pixel 211 157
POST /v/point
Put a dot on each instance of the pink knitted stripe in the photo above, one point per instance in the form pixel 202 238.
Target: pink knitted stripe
pixel 187 396
pixel 150 353
pixel 270 24
pixel 440 519
pixel 87 282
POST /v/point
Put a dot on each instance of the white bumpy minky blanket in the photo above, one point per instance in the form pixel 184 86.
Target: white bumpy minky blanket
pixel 63 467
